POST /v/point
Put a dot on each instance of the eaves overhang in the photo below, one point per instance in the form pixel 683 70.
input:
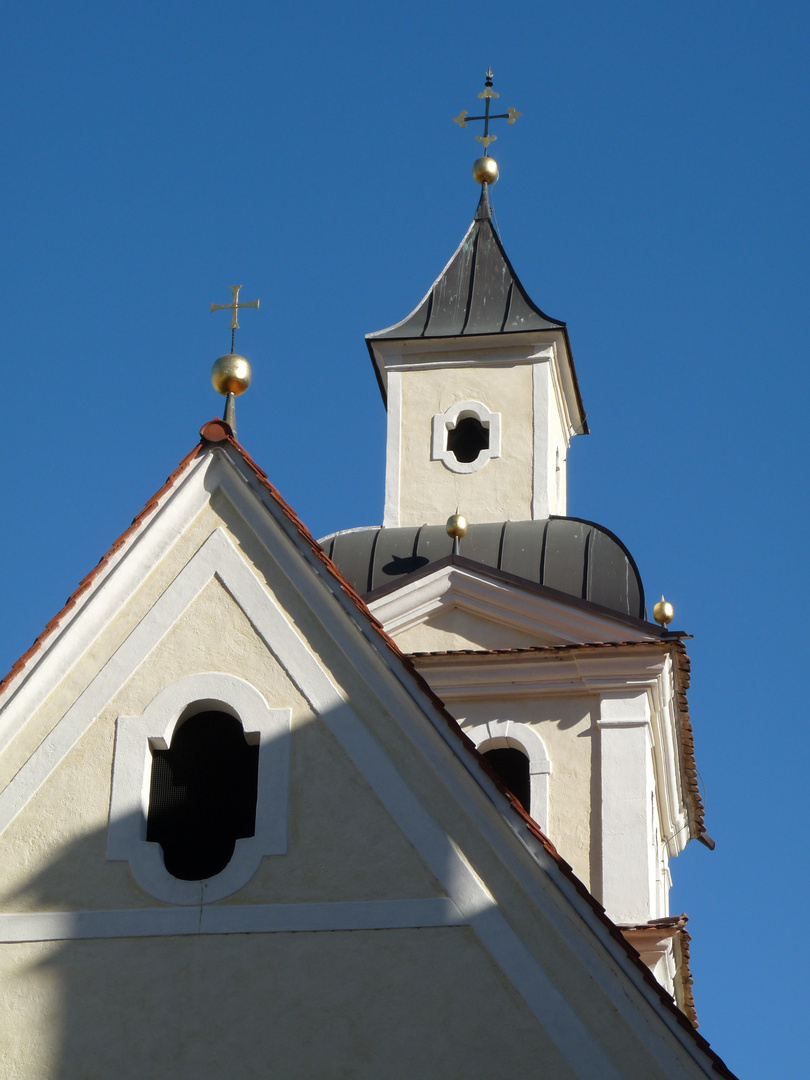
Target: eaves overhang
pixel 485 350
pixel 662 667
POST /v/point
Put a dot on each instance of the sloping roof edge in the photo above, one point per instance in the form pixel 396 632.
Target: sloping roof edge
pixel 88 580
pixel 467 744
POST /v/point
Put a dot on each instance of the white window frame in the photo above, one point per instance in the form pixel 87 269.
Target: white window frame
pixel 131 780
pixel 496 734
pixel 443 422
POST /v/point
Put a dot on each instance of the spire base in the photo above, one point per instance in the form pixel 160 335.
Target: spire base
pixel 229 416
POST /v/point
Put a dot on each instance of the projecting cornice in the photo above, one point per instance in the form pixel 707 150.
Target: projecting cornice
pixel 657 670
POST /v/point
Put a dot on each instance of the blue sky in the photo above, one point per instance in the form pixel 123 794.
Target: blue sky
pixel 653 195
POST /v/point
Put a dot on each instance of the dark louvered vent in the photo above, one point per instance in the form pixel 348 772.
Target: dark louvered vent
pixel 203 795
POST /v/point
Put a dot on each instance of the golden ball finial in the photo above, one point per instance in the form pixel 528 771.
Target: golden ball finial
pixel 456 526
pixel 485 170
pixel 663 612
pixel 230 374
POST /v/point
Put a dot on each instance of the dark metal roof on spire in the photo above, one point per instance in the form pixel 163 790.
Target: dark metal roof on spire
pixel 478 292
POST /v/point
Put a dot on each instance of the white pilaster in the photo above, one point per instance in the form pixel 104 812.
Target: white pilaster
pixel 393 450
pixel 541 405
pixel 628 846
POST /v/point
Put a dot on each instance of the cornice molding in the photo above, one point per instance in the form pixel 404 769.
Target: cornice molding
pixel 640 670
pixel 551 619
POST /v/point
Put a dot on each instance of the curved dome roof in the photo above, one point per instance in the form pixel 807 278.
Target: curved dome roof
pixel 570 555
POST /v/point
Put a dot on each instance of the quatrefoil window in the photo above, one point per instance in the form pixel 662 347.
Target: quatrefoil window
pixel 466 436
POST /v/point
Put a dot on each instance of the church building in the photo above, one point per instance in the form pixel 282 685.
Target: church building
pixel 401 802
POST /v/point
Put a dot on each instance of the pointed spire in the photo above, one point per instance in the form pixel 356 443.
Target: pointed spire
pixel 478 292
pixel 484 211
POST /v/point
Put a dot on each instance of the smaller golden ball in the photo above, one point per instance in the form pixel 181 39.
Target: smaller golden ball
pixel 485 171
pixel 456 526
pixel 230 374
pixel 663 612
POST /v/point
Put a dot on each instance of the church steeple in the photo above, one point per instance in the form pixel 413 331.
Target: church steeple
pixel 478 292
pixel 530 625
pixel 477 350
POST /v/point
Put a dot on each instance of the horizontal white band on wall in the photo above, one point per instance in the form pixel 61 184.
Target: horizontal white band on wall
pixel 228 919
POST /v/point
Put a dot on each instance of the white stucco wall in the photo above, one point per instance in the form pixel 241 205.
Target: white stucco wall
pixel 54 852
pixel 502 488
pixel 567 729
pixel 410 824
pixel 451 628
pixel 405 1003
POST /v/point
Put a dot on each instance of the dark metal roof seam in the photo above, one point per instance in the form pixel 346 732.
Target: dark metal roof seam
pixel 416 537
pixel 542 576
pixel 471 282
pixel 428 312
pixel 370 579
pixel 500 545
pixel 586 565
pixel 508 307
pixel 621 544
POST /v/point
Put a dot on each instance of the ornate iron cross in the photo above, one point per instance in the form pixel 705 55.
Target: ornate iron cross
pixel 487 94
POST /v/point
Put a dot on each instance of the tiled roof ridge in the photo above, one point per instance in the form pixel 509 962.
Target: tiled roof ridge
pixel 217 431
pixel 687 980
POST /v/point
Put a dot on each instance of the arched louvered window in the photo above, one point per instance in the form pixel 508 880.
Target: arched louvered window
pixel 202 797
pixel 512 766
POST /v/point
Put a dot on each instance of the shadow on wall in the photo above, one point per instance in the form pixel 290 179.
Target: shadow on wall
pixel 292 1005
pixel 130 986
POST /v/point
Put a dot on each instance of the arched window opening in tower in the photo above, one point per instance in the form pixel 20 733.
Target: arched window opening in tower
pixel 467 439
pixel 512 766
pixel 202 797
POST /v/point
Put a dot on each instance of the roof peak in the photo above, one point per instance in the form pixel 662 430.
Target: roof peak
pixel 484 210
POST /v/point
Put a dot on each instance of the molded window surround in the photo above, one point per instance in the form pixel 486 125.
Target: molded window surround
pixel 498 733
pixel 132 769
pixel 444 422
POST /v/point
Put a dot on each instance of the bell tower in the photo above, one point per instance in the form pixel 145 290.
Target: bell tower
pixel 481 393
pixel 479 384
pixel 530 625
